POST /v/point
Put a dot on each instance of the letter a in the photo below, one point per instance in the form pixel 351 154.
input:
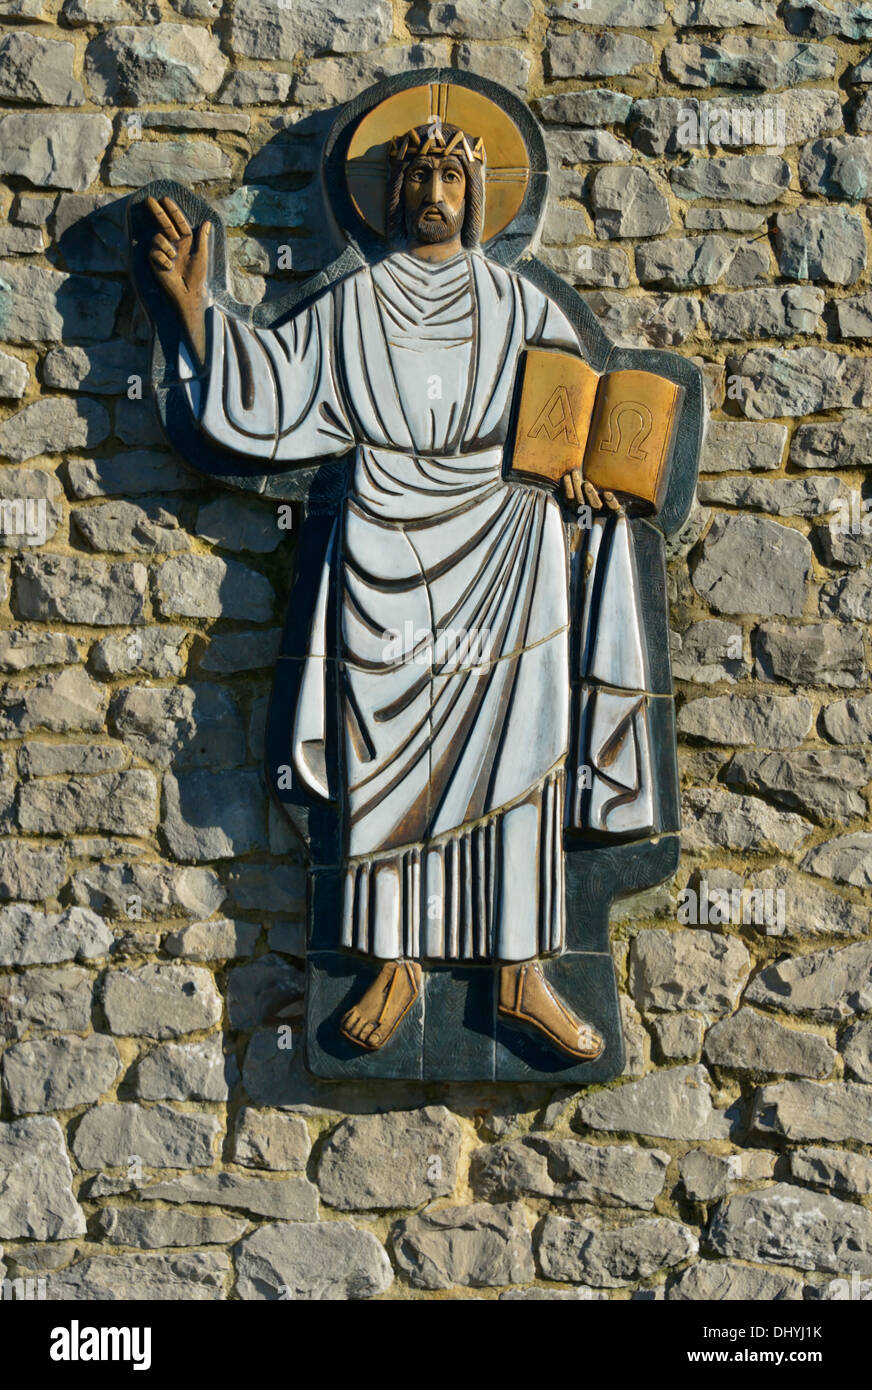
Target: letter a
pixel 555 418
pixel 60 1344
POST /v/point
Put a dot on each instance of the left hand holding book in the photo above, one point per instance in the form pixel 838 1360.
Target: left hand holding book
pixel 616 431
pixel 580 493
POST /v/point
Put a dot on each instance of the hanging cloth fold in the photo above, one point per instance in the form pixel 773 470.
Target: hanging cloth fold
pixel 613 788
pixel 309 743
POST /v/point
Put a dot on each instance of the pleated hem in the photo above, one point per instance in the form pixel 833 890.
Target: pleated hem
pixel 491 892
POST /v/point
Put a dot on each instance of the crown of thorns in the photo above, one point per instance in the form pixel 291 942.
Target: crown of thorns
pixel 435 141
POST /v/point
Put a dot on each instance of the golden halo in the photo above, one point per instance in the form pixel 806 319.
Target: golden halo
pixel 507 168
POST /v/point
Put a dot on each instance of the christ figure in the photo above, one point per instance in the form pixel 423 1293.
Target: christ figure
pixel 452 581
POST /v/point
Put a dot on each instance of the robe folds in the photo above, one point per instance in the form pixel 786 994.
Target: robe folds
pixel 453 601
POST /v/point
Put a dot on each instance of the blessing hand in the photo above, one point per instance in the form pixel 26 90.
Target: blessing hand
pixel 180 261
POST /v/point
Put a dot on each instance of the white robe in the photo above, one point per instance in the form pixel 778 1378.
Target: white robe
pixel 453 588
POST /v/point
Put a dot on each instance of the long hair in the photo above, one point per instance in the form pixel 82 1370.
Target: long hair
pixel 473 218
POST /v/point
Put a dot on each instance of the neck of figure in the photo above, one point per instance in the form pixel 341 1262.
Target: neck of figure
pixel 436 250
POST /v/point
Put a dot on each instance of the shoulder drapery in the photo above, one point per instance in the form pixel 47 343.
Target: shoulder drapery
pixel 271 393
pixel 326 379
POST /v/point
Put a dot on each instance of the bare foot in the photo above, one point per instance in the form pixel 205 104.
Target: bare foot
pixel 527 997
pixel 376 1017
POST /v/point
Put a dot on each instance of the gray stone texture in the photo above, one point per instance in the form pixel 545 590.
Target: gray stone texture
pixel 478 1246
pixel 160 890
pixel 788 1225
pixel 674 970
pixel 822 784
pixel 711 163
pixel 748 1041
pixel 595 55
pixel 838 1110
pixel 80 591
pixel 742 446
pixel 121 802
pixel 36 1197
pixel 42 999
pixel 670 1104
pixel 187 1276
pixel 187 1071
pixel 731 576
pixel 213 815
pixel 833 443
pixel 204 586
pixel 52 425
pixel 752 178
pixel 742 61
pixel 49 153
pixel 834 1169
pixel 390 1161
pixel 820 244
pixel 728 1281
pixel 847 859
pixel 160 1001
pixel 58 1073
pixel 29 937
pixel 536 1166
pixel 150 1230
pixel 706 1177
pixel 127 65
pixel 34 69
pixel 628 203
pixel 262 30
pixel 810 654
pixel 110 1135
pixel 283 1199
pixel 262 991
pixel 589 1252
pixel 768 721
pixel 855 1044
pixel 271 1140
pixel 311 1263
pixel 830 985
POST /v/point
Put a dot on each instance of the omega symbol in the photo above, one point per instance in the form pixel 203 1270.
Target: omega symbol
pixel 636 420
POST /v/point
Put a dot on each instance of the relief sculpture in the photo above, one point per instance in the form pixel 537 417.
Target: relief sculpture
pixel 472 726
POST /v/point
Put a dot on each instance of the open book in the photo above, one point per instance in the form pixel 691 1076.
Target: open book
pixel 619 429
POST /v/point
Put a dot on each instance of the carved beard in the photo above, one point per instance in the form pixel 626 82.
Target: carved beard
pixel 433 230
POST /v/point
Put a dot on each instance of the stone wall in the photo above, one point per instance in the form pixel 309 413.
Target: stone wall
pixel 159 1136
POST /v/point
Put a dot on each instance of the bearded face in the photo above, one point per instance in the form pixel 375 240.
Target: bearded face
pixel 434 198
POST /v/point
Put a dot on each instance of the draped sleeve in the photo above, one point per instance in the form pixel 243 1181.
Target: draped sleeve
pixel 271 393
pixel 545 324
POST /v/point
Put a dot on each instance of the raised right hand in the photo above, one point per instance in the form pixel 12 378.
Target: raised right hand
pixel 180 261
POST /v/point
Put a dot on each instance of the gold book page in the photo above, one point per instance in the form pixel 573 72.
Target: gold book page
pixel 631 434
pixel 558 393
